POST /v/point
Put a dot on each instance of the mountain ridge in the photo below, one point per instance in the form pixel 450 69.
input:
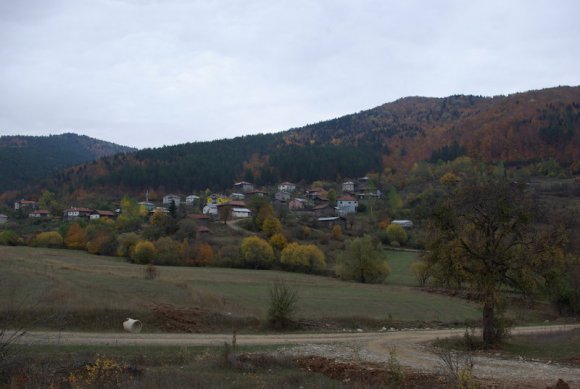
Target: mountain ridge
pixel 25 158
pixel 516 129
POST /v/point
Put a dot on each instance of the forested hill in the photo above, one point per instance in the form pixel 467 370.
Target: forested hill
pixel 519 128
pixel 26 159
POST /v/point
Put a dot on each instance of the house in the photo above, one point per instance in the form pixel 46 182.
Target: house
pixel 282 196
pixel 324 209
pixel 237 196
pixel 191 199
pixel 3 218
pixel 296 204
pixel 210 209
pixel 346 205
pixel 77 213
pixel 40 214
pixel 317 194
pixel 99 214
pixel 22 204
pixel 171 198
pixel 256 192
pixel 229 206
pixel 287 187
pixel 348 186
pixel 403 223
pixel 241 212
pixel 244 186
pixel 365 194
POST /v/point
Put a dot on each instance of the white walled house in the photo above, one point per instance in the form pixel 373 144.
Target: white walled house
pixel 346 205
pixel 348 186
pixel 168 199
pixel 244 186
pixel 77 213
pixel 241 212
pixel 287 187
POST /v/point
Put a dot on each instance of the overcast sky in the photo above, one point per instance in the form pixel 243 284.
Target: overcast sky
pixel 148 73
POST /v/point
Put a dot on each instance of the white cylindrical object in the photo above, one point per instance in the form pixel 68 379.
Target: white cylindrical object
pixel 132 325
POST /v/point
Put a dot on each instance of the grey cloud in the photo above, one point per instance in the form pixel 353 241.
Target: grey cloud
pixel 148 73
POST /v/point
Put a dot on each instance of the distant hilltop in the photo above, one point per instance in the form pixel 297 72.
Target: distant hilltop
pixel 27 159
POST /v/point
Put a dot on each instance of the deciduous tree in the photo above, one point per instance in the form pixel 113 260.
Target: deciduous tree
pixel 362 261
pixel 257 253
pixel 50 239
pixel 76 237
pixel 303 258
pixel 271 226
pixel 484 236
pixel 144 252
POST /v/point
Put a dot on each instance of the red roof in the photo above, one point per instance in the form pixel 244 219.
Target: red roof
pixel 40 212
pixel 105 213
pixel 73 209
pixel 346 198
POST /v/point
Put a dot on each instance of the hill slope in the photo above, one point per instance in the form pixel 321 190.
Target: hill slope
pixel 518 128
pixel 26 159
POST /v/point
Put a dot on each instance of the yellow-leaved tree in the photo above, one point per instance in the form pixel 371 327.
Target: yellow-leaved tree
pixel 303 258
pixel 257 253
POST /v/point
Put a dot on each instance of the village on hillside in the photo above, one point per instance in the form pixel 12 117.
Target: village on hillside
pixel 326 206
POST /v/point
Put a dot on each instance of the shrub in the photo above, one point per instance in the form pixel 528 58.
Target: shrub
pixel 203 254
pixel 50 239
pixel 167 251
pixel 101 237
pixel 127 243
pixel 396 233
pixel 278 241
pixel 144 252
pixel 257 253
pixel 336 232
pixel 150 272
pixel 420 270
pixel 283 303
pixel 8 238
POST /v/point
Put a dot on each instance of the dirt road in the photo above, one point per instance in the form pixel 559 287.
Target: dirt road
pixel 410 346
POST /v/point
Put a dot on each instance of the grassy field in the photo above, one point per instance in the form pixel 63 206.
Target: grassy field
pixel 156 367
pixel 556 346
pixel 91 289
